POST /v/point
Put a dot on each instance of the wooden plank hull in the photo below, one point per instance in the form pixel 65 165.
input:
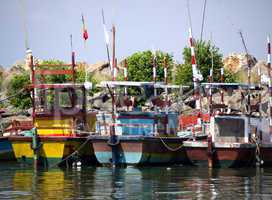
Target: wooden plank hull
pixel 6 151
pixel 223 155
pixel 139 150
pixel 54 151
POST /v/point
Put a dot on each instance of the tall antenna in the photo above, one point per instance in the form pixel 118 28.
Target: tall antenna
pixel 203 19
pixel 23 12
pixel 189 15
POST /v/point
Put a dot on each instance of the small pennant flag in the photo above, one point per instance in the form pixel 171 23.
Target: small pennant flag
pixel 85 32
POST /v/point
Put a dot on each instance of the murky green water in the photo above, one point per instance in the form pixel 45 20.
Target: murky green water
pixel 17 182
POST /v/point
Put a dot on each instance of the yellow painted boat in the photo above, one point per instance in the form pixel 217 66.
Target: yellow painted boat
pixel 53 150
pixel 61 122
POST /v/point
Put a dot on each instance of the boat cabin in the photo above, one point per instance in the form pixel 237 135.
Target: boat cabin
pixel 138 120
pixel 59 109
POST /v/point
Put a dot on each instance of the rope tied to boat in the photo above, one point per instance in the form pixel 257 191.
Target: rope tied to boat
pixel 257 152
pixel 168 147
pixel 76 152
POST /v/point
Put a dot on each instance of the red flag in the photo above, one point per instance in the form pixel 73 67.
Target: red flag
pixel 85 32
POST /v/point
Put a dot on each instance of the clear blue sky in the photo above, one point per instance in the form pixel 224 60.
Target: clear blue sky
pixel 141 25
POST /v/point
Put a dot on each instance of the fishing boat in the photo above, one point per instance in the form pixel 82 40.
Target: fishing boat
pixel 231 140
pixel 60 120
pixel 132 136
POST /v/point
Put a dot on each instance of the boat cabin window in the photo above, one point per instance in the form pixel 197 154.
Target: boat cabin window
pixel 64 99
pixel 230 127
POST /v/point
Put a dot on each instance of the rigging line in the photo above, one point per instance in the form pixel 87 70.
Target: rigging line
pixel 203 19
pixel 23 9
pixel 14 95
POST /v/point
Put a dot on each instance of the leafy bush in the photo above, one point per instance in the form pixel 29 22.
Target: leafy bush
pixel 204 53
pixel 140 66
pixel 23 99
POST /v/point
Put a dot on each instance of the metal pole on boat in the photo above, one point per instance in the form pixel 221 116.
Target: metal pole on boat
pixel 113 72
pixel 34 145
pixel 222 81
pixel 210 92
pixel 32 67
pixel 154 69
pixel 196 78
pixel 248 86
pixel 73 59
pixel 113 54
pixel 166 94
pixel 269 86
pixel 126 75
pixel 154 72
pixel 112 127
pixel 260 91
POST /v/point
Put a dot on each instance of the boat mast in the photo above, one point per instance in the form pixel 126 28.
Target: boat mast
pixel 248 83
pixel 269 86
pixel 125 74
pixel 222 81
pixel 166 94
pixel 154 68
pixel 196 77
pixel 113 79
pixel 210 78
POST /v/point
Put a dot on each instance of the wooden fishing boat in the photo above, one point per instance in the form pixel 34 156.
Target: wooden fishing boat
pixel 227 146
pixel 61 122
pixel 137 137
pixel 230 136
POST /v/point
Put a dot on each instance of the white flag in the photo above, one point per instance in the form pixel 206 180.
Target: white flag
pixel 107 38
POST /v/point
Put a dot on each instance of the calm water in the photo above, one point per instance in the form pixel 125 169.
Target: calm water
pixel 134 183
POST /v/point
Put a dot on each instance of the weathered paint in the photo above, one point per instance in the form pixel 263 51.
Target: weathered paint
pixel 224 155
pixel 140 151
pixel 53 150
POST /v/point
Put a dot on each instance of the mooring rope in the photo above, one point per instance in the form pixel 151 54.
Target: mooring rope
pixel 257 152
pixel 14 95
pixel 170 148
pixel 72 154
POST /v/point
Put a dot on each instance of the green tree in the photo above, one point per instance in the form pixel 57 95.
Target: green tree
pixel 80 72
pixel 205 51
pixel 140 66
pixel 22 98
